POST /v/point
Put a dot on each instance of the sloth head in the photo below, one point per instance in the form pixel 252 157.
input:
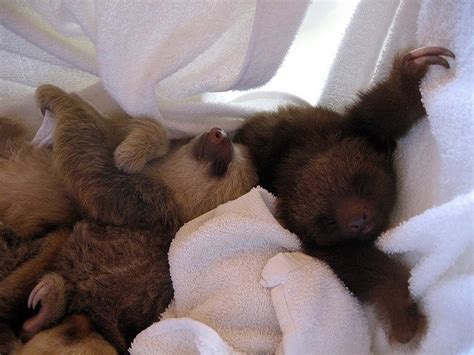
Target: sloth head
pixel 207 171
pixel 341 195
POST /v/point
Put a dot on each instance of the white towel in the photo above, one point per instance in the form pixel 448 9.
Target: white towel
pixel 316 313
pixel 222 299
pixel 152 57
pixel 359 52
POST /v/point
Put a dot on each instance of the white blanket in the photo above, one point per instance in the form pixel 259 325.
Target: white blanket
pixel 152 57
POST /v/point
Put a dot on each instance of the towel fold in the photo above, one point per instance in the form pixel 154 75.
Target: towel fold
pixel 316 313
pixel 216 262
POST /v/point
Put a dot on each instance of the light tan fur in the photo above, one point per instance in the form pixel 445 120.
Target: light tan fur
pixel 68 338
pixel 193 190
pixel 141 145
pixel 32 196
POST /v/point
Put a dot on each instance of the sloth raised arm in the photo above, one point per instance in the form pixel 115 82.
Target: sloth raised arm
pixel 388 110
pixel 84 147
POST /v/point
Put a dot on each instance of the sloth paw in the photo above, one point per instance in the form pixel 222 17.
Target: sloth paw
pixel 407 325
pixel 49 96
pixel 129 159
pixel 147 141
pixel 49 293
pixel 417 62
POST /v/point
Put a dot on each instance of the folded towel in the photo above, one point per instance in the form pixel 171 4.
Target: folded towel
pixel 223 300
pixel 316 313
pixel 216 262
pixel 179 336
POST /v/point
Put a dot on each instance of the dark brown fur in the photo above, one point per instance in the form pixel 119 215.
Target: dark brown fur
pixel 334 178
pixel 22 264
pixel 135 191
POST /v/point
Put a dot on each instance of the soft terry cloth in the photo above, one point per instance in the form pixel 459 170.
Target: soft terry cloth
pixel 152 57
pixel 223 306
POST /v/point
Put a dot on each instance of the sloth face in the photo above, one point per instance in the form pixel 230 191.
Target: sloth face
pixel 343 194
pixel 207 171
pixel 215 146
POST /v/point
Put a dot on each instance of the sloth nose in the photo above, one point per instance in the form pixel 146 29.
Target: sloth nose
pixel 217 135
pixel 357 224
pixel 356 217
pixel 362 221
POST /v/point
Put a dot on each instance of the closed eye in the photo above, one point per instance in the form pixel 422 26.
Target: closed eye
pixel 327 221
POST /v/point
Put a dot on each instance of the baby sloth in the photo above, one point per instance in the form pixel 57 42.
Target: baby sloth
pixel 134 190
pixel 336 186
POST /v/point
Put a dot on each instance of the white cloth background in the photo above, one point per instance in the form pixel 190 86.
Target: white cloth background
pixel 152 57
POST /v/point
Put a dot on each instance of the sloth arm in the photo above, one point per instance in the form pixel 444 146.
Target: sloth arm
pixel 83 151
pixel 375 278
pixel 387 111
pixel 382 113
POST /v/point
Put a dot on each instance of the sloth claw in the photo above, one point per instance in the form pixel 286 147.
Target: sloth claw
pixel 50 294
pixel 33 299
pixel 417 62
pixel 430 51
pixel 432 59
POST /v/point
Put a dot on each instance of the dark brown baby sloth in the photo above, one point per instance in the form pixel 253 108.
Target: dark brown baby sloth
pixel 336 187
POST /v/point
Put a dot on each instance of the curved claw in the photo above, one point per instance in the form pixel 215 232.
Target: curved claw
pixel 32 300
pixel 429 51
pixel 432 59
pixel 50 293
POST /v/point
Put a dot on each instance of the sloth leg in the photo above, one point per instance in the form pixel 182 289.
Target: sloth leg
pixel 83 151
